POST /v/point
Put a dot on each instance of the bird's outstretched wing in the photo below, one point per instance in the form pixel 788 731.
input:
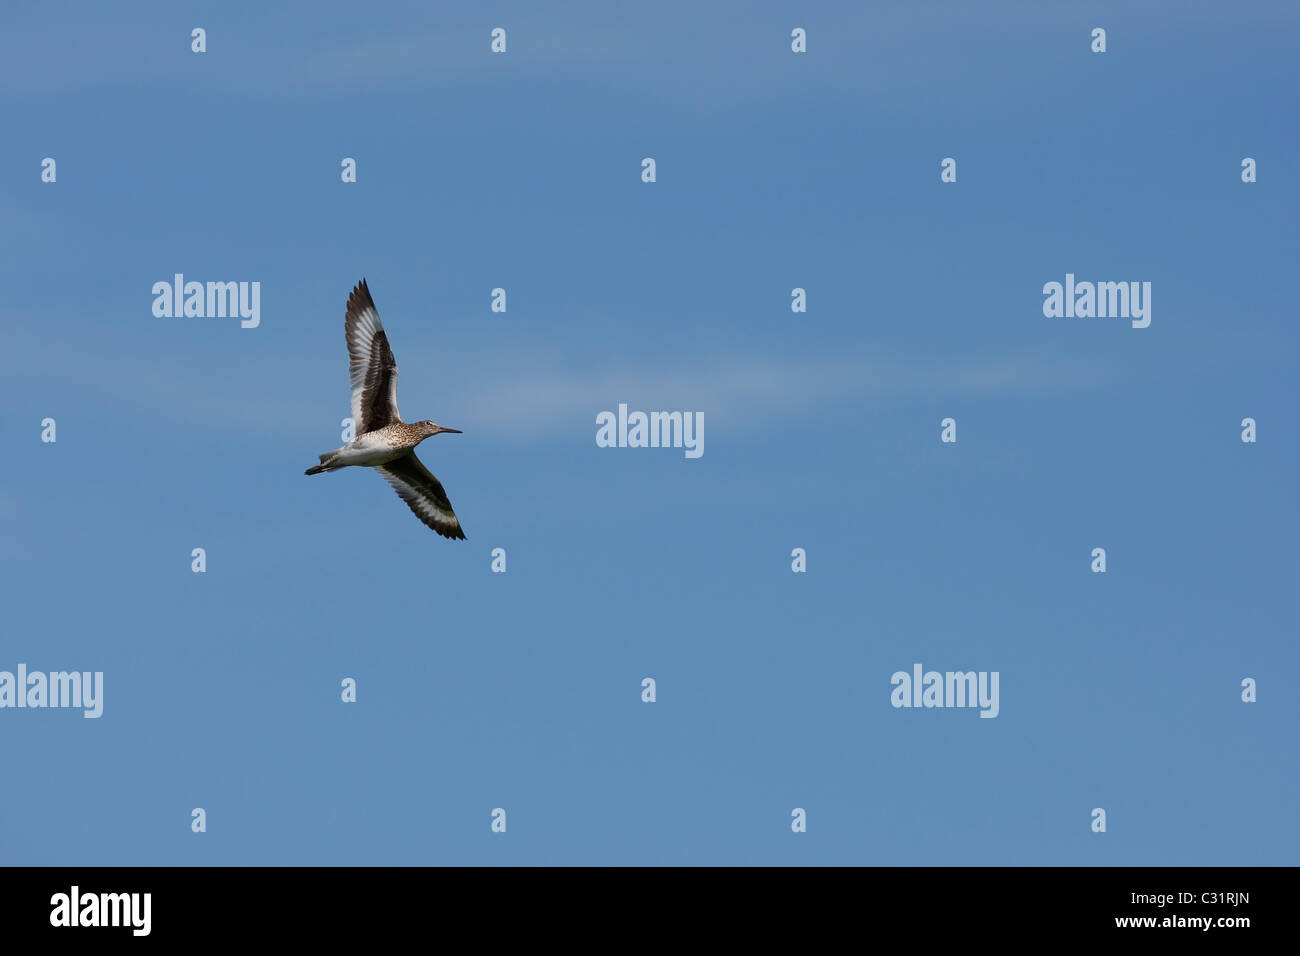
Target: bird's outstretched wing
pixel 371 366
pixel 423 493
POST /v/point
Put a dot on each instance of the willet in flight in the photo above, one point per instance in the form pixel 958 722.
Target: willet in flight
pixel 383 441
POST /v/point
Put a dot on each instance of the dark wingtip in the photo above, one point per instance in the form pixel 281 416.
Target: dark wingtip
pixel 359 298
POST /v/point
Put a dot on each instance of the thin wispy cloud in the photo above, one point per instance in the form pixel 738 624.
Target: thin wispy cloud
pixel 515 396
pixel 746 392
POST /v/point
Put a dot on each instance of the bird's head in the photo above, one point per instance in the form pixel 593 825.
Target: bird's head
pixel 433 428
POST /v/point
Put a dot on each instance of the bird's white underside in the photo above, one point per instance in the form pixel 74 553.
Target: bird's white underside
pixel 370 450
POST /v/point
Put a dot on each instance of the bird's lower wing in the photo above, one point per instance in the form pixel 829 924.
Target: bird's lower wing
pixel 423 493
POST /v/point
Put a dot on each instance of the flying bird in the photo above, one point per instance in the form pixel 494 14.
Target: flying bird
pixel 383 441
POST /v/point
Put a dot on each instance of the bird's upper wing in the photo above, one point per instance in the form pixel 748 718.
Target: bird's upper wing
pixel 423 493
pixel 371 366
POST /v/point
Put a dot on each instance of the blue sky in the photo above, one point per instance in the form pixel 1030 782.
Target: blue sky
pixel 522 690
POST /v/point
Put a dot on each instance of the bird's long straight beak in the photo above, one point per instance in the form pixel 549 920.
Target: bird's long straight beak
pixel 454 431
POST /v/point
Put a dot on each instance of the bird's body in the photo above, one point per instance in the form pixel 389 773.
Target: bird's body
pixel 378 447
pixel 383 441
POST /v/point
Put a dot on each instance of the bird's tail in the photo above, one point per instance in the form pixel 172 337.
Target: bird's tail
pixel 326 464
